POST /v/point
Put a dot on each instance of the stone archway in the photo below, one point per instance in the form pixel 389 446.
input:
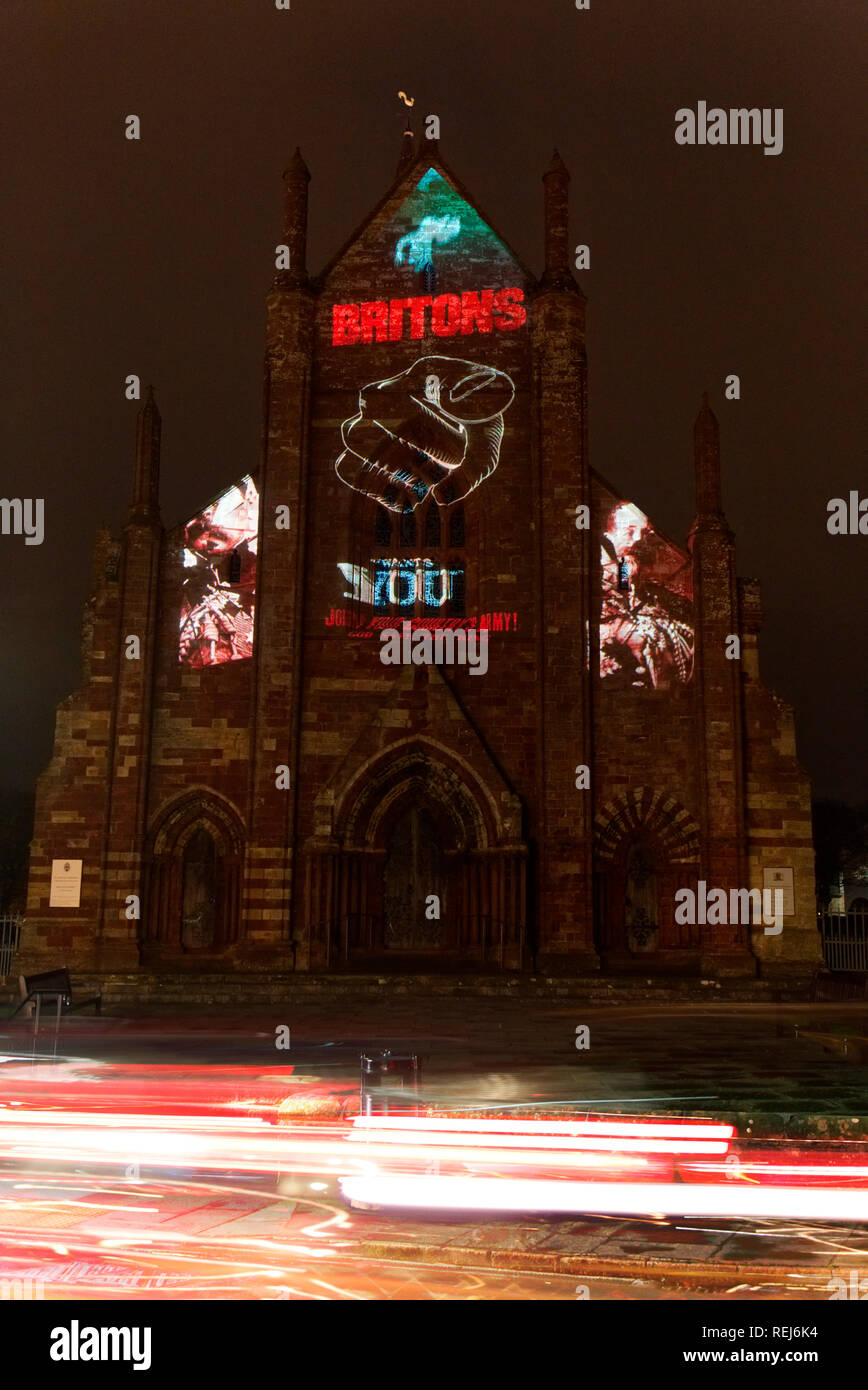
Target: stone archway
pixel 415 859
pixel 646 847
pixel 193 879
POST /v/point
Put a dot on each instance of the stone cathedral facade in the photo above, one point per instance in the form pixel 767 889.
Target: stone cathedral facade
pixel 560 738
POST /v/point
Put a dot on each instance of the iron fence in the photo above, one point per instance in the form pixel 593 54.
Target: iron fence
pixel 845 940
pixel 10 938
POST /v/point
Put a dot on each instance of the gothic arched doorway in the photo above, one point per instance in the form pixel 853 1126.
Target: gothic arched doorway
pixel 417 859
pixel 193 886
pixel 641 906
pixel 199 891
pixel 646 847
pixel 413 883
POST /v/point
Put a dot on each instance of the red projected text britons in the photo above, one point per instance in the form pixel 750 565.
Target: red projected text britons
pixel 388 321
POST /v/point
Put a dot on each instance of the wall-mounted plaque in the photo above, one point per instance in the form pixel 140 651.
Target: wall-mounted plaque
pixel 781 879
pixel 65 883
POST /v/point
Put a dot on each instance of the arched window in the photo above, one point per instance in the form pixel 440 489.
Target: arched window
pixel 458 595
pixel 408 528
pixel 422 573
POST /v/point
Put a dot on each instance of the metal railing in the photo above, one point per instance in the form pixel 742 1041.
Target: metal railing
pixel 10 938
pixel 845 940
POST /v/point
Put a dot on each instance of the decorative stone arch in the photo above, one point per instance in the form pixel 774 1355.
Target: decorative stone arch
pixel 199 806
pixel 424 767
pixel 656 815
pixel 477 827
pixel 655 824
pixel 176 834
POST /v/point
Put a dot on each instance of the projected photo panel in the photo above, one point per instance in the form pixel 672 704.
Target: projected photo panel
pixel 219 584
pixel 646 620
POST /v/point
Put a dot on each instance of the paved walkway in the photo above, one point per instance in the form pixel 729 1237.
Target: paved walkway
pixel 711 1254
pixel 160 1236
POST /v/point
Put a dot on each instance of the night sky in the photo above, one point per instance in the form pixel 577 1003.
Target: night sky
pixel 155 256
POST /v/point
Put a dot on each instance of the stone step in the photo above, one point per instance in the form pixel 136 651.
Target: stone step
pixel 199 989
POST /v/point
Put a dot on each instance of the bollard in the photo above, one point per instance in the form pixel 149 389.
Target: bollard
pixel 388 1083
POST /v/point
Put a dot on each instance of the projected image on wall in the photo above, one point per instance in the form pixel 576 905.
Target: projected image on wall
pixel 646 631
pixel 219 585
pixel 435 428
pixel 416 248
pixel 432 224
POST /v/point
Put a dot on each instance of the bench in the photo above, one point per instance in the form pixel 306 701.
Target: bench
pixel 51 986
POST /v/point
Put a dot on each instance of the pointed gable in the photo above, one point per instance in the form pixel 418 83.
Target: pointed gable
pixel 436 229
pixel 426 262
pixel 427 191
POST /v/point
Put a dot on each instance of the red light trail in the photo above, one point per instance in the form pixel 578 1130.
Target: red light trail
pixel 222 1123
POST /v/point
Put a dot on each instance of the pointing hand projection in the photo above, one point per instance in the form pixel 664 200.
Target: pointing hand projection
pixel 435 428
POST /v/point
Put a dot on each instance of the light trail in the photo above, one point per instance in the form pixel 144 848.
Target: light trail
pixel 229 1120
pixel 446 1193
pixel 652 1129
pixel 564 1142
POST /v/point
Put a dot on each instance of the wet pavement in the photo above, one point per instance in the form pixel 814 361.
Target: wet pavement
pixel 69 1234
pixel 244 1237
pixel 744 1062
